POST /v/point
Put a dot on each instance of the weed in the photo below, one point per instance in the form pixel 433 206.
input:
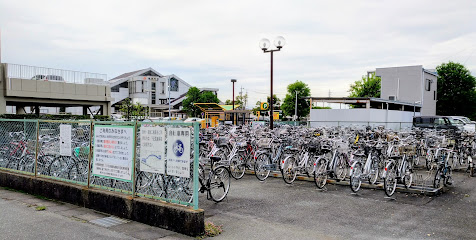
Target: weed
pixel 40 208
pixel 211 230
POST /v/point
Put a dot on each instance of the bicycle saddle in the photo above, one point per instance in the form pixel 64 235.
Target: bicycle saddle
pixel 215 159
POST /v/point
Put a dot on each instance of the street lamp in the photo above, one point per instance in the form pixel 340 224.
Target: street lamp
pixel 295 108
pixel 264 44
pixel 233 101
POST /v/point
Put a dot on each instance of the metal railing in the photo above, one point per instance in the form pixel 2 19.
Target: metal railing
pixel 388 125
pixel 75 152
pixel 51 74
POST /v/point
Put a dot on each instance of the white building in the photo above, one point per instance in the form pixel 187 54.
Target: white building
pixel 153 90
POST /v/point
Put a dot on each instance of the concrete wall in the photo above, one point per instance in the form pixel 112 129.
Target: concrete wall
pixel 57 90
pixel 403 82
pixel 160 214
pixel 407 84
pixel 361 116
pixel 3 76
pixel 429 97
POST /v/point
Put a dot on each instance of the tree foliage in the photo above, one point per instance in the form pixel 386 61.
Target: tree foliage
pixel 276 101
pixel 133 111
pixel 194 96
pixel 456 91
pixel 289 103
pixel 366 87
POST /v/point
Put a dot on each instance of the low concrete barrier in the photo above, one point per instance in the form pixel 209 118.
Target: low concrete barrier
pixel 152 212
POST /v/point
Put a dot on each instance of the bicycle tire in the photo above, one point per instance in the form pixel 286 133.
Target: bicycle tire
pixel 219 183
pixel 237 166
pixel 448 177
pixel 373 175
pixel 437 179
pixel 320 175
pixel 341 168
pixel 289 172
pixel 390 181
pixel 58 168
pixel 260 161
pixel 310 165
pixel 408 176
pixel 355 177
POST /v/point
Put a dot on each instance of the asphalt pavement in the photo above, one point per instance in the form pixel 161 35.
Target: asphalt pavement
pixel 276 210
pixel 268 210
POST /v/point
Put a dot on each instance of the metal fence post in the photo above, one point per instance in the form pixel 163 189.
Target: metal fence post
pixel 196 133
pixel 91 132
pixel 134 161
pixel 37 145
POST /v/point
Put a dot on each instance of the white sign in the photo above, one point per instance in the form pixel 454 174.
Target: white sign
pixel 65 140
pixel 113 152
pixel 152 149
pixel 178 152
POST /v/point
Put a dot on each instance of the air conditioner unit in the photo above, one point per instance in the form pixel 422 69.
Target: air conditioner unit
pixel 391 97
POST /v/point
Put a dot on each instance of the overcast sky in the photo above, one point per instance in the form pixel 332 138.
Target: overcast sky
pixel 330 44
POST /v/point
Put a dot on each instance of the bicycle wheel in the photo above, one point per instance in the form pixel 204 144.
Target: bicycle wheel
pixel 355 177
pixel 289 170
pixel 237 166
pixel 448 177
pixel 341 168
pixel 408 176
pixel 437 179
pixel 320 175
pixel 310 165
pixel 390 181
pixel 260 171
pixel 219 183
pixel 58 167
pixel 373 174
pixel 429 160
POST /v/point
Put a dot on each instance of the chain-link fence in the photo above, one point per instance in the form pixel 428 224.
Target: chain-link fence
pixel 154 160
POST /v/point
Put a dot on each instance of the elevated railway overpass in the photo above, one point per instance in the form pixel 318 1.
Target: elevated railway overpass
pixel 36 87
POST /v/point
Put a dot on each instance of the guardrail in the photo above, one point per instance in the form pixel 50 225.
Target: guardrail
pixel 51 74
pixel 153 160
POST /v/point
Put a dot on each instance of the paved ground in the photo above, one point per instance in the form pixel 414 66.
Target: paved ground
pixel 275 210
pixel 19 219
pixel 268 210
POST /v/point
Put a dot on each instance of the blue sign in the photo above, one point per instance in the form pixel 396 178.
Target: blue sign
pixel 178 148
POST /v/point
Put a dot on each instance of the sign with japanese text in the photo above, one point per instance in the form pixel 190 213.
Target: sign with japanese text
pixel 178 152
pixel 113 152
pixel 65 140
pixel 152 149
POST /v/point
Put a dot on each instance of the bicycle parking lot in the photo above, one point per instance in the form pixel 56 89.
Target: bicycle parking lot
pixel 272 209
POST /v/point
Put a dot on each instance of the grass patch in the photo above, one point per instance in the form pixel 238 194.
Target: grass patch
pixel 211 230
pixel 13 190
pixel 40 208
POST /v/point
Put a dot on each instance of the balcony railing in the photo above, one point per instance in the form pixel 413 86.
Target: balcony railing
pixel 51 74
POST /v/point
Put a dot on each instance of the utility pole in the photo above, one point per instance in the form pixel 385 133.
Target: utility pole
pixel 241 97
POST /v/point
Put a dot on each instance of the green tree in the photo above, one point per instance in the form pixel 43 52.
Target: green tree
pixel 133 111
pixel 208 97
pixel 239 101
pixel 289 103
pixel 127 108
pixel 366 87
pixel 193 96
pixel 456 90
pixel 276 102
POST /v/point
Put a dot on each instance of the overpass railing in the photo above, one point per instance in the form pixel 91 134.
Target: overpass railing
pixel 51 74
pixel 153 160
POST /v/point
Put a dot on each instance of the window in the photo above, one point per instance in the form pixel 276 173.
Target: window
pixel 428 84
pixel 434 95
pixel 153 98
pixel 153 86
pixel 174 85
pixel 162 87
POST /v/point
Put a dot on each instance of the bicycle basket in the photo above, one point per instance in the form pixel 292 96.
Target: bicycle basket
pixel 264 142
